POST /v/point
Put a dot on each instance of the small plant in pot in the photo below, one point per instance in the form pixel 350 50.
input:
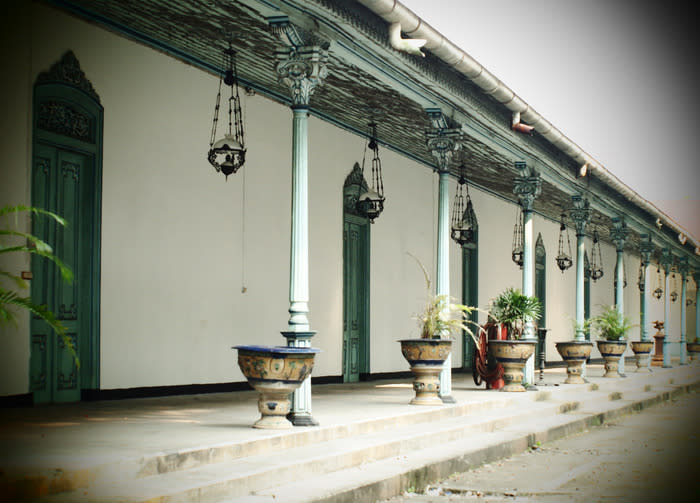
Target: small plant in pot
pixel 513 309
pixel 426 355
pixel 575 353
pixel 612 329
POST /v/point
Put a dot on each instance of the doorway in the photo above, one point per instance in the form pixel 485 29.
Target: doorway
pixel 66 179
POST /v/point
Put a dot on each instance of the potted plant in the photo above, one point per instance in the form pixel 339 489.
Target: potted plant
pixel 642 354
pixel 574 353
pixel 513 310
pixel 612 328
pixel 275 372
pixel 426 355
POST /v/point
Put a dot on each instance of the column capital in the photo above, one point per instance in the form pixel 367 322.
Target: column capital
pixel 527 185
pixel 301 60
pixel 442 141
pixel 580 213
pixel 683 267
pixel 666 259
pixel 646 248
pixel 619 232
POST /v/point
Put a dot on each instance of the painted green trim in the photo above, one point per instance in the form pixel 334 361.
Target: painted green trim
pixel 470 293
pixel 89 351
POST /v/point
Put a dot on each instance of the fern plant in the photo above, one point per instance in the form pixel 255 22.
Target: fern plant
pixel 514 309
pixel 610 325
pixel 15 241
pixel 441 318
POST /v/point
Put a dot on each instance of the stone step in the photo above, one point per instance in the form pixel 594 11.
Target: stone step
pixel 240 477
pixel 375 481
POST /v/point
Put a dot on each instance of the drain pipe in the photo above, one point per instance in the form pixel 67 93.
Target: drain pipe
pixel 396 13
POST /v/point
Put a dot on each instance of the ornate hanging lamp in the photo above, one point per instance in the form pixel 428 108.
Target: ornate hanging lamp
pixel 674 293
pixel 371 203
pixel 641 280
pixel 564 260
pixel 227 154
pixel 517 249
pixel 463 217
pixel 596 258
pixel 658 291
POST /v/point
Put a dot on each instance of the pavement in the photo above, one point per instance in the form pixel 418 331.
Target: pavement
pixel 370 444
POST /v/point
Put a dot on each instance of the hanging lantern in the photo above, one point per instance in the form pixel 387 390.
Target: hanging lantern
pixel 564 254
pixel 227 154
pixel 371 203
pixel 658 291
pixel 463 217
pixel 641 281
pixel 674 293
pixel 596 258
pixel 517 250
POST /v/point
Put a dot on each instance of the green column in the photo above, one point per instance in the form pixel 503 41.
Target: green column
pixel 619 233
pixel 666 261
pixel 527 186
pixel 442 142
pixel 301 68
pixel 646 248
pixel 683 269
pixel 442 285
pixel 580 214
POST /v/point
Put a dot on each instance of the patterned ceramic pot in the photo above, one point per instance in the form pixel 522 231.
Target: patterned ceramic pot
pixel 574 353
pixel 275 372
pixel 611 351
pixel 426 357
pixel 693 350
pixel 642 350
pixel 512 355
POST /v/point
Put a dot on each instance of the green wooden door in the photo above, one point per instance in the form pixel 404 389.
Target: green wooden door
pixel 67 179
pixel 540 289
pixel 62 182
pixel 470 295
pixel 355 298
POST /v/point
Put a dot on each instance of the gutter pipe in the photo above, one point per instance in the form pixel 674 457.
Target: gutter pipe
pixel 393 12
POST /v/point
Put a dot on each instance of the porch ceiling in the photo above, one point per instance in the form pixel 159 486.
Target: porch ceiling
pixel 396 92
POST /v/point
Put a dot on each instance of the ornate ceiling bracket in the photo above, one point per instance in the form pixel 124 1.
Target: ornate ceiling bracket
pixel 527 186
pixel 646 248
pixel 619 233
pixel 442 140
pixel 580 213
pixel 666 260
pixel 301 61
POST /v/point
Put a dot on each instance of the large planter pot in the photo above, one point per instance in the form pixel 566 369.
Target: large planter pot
pixel 693 350
pixel 512 355
pixel 574 353
pixel 426 357
pixel 642 351
pixel 611 351
pixel 275 372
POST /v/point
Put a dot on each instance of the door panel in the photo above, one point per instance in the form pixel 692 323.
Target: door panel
pixel 61 183
pixel 355 301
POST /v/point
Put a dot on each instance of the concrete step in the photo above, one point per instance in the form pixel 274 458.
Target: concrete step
pixel 370 457
pixel 240 477
pixel 375 481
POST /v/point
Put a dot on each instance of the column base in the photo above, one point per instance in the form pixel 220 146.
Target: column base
pixel 448 399
pixel 301 419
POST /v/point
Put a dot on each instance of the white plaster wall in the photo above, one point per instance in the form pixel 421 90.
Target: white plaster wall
pixel 192 265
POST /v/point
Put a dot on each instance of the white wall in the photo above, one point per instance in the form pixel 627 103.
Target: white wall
pixel 192 265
